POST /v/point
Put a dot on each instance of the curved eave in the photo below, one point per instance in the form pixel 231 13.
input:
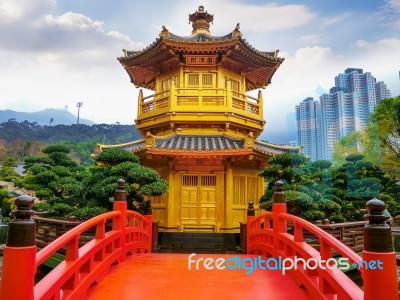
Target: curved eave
pixel 134 146
pixel 261 66
pixel 143 66
pixel 267 148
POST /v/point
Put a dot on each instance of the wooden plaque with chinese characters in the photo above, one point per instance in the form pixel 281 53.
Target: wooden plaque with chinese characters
pixel 200 60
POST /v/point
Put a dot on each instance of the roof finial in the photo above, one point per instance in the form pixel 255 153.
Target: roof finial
pixel 236 34
pixel 201 20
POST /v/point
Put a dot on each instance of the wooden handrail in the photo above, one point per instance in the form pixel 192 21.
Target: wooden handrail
pixel 342 225
pixel 71 235
pixel 131 233
pixel 268 235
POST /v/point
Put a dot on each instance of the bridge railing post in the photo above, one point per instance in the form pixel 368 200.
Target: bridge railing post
pixel 120 204
pixel 19 267
pixel 152 236
pixel 278 207
pixel 379 259
pixel 251 214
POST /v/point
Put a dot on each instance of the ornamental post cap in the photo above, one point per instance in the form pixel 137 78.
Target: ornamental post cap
pixel 23 202
pixel 375 205
pixel 279 185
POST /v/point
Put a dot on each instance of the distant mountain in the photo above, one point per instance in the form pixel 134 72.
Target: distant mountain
pixel 43 117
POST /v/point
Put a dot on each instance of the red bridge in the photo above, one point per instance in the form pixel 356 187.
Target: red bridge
pixel 118 264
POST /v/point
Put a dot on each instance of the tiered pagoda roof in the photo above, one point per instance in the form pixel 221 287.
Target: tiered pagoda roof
pixel 231 51
pixel 202 145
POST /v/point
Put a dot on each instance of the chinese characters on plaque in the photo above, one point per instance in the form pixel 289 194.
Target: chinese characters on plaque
pixel 200 60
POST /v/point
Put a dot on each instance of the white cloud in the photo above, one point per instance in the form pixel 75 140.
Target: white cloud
pixel 49 60
pixel 311 39
pixel 73 21
pixel 389 13
pixel 361 44
pixel 16 10
pixel 394 4
pixel 334 20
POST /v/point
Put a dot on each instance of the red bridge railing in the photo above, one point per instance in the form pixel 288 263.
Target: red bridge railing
pixel 130 233
pixel 268 235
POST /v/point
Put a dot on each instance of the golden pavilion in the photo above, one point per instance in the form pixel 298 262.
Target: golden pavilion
pixel 199 126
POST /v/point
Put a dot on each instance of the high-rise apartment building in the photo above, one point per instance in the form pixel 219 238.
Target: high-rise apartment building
pixel 345 109
pixel 309 127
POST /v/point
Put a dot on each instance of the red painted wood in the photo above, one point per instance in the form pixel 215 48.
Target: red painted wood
pixel 374 279
pixel 322 283
pixel 84 265
pixel 166 276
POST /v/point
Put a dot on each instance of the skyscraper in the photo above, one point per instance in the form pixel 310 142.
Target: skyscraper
pixel 309 128
pixel 345 109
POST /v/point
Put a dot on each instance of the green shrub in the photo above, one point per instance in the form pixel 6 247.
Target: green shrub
pixel 41 206
pixel 7 206
pixel 44 193
pixel 313 215
pixel 337 219
pixel 87 213
pixel 62 208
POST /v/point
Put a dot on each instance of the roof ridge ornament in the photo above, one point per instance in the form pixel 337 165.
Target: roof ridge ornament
pixel 236 34
pixel 164 34
pixel 249 140
pixel 150 140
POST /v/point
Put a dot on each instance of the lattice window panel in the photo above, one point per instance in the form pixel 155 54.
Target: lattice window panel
pixel 190 180
pixel 209 180
pixel 239 190
pixel 166 85
pixel 252 189
pixel 235 86
pixel 207 79
pixel 193 79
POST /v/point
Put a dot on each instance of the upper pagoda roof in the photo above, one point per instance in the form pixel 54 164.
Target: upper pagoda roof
pixel 231 51
pixel 202 145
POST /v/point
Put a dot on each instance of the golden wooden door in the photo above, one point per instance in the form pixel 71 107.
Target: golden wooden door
pixel 207 201
pixel 190 206
pixel 198 199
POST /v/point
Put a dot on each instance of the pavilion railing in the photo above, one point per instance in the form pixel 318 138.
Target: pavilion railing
pixel 130 233
pixel 185 99
pixel 268 236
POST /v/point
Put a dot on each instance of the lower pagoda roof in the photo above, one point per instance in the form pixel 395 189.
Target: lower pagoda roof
pixel 186 144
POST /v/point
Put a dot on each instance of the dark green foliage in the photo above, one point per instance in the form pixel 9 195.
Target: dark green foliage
pixel 62 208
pixel 286 167
pixel 56 149
pixel 318 189
pixel 7 172
pixel 101 181
pixel 116 156
pixel 54 175
pixel 87 213
pixel 41 207
pixel 25 138
pixel 99 133
pixel 387 117
pixel 42 193
pixel 6 203
pixel 337 219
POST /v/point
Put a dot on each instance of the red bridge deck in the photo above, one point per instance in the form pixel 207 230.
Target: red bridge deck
pixel 166 276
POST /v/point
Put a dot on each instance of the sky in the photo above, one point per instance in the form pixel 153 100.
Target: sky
pixel 55 53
